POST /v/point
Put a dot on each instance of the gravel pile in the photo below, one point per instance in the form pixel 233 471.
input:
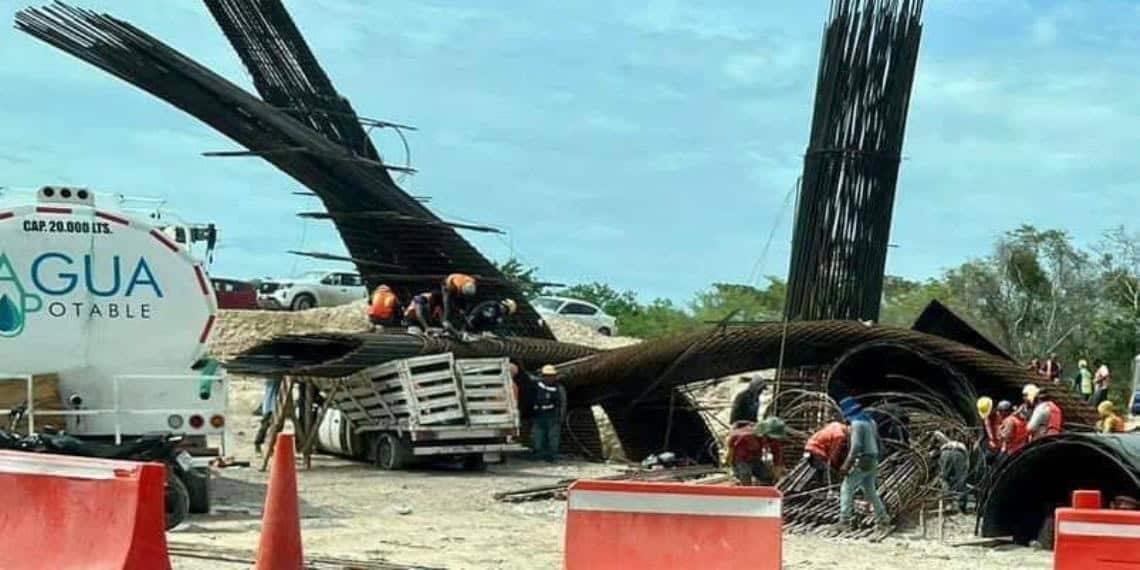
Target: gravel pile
pixel 240 330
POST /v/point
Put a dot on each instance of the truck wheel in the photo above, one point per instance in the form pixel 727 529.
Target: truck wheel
pixel 177 500
pixel 474 463
pixel 392 453
pixel 198 484
pixel 304 302
pixel 606 331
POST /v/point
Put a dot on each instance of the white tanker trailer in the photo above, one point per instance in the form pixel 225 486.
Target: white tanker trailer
pixel 120 312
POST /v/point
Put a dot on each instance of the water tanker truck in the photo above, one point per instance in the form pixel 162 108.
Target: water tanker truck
pixel 118 313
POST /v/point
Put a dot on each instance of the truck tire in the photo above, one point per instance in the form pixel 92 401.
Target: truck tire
pixel 198 485
pixel 605 331
pixel 303 302
pixel 474 462
pixel 392 452
pixel 177 500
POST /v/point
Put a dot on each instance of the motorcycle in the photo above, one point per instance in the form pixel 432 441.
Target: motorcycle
pixel 158 447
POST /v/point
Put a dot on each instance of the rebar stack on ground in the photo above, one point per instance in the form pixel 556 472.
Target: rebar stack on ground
pixel 839 248
pixel 304 127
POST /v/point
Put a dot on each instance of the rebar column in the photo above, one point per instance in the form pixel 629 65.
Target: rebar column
pixel 843 219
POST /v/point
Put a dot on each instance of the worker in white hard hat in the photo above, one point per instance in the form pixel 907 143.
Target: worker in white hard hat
pixel 547 412
pixel 490 316
pixel 1045 417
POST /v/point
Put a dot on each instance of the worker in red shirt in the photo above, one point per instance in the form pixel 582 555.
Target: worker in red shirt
pixel 384 310
pixel 1014 431
pixel 826 448
pixel 746 447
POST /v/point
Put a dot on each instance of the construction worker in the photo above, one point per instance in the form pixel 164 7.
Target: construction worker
pixel 991 423
pixel 456 293
pixel 425 310
pixel 489 316
pixel 1109 422
pixel 1083 381
pixel 953 469
pixel 384 310
pixel 826 449
pixel 1014 431
pixel 746 446
pixel 1046 418
pixel 861 466
pixel 549 408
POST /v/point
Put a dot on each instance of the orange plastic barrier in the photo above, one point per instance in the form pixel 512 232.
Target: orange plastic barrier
pixel 66 513
pixel 1088 536
pixel 612 524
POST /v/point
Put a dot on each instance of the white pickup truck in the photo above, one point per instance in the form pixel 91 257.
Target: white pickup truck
pixel 118 311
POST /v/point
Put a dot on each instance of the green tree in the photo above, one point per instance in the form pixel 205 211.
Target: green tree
pixel 749 303
pixel 525 277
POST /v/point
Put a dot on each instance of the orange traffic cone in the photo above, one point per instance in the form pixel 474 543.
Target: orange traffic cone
pixel 280 546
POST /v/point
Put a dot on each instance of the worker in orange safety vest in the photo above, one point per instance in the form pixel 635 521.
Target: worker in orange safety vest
pixel 1014 431
pixel 384 310
pixel 456 294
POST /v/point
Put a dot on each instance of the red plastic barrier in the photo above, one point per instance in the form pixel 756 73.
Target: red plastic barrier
pixel 613 524
pixel 1088 536
pixel 66 513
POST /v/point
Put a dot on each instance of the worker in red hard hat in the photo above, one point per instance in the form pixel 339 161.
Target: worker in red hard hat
pixel 384 309
pixel 1046 418
pixel 456 293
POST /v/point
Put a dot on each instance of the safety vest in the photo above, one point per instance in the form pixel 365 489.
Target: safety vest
pixel 384 304
pixel 1018 434
pixel 1056 418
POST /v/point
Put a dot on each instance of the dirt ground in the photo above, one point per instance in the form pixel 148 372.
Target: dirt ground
pixel 448 518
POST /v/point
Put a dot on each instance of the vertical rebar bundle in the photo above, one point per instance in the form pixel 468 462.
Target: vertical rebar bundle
pixel 839 248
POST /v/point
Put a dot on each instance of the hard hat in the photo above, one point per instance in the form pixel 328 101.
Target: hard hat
pixel 773 428
pixel 1030 391
pixel 383 287
pixel 1083 363
pixel 468 288
pixel 549 370
pixel 1005 406
pixel 1106 408
pixel 511 306
pixel 850 407
pixel 985 405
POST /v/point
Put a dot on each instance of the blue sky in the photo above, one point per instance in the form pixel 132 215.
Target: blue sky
pixel 650 145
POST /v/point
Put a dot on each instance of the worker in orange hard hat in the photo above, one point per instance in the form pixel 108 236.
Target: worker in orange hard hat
pixel 384 310
pixel 456 293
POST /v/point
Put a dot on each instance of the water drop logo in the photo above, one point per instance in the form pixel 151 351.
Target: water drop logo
pixel 15 301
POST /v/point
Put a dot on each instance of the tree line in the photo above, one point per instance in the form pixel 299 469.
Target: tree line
pixel 1035 293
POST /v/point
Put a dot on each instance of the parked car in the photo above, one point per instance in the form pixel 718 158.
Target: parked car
pixel 312 289
pixel 234 294
pixel 584 312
